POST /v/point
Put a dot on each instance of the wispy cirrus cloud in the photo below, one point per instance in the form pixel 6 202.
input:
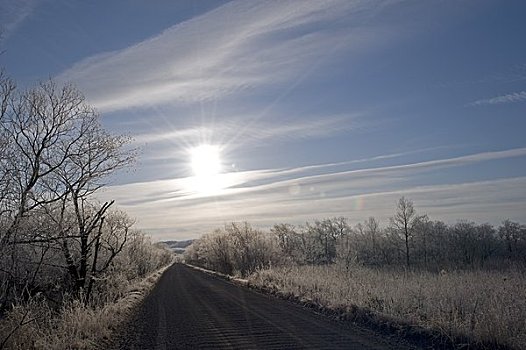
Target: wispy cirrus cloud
pixel 294 195
pixel 483 201
pixel 508 98
pixel 455 161
pixel 240 45
pixel 236 130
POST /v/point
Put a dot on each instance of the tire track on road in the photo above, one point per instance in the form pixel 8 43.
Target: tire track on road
pixel 190 309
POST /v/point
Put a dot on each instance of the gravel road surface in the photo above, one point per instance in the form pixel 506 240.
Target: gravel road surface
pixel 191 309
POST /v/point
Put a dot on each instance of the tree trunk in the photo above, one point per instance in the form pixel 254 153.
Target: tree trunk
pixel 406 246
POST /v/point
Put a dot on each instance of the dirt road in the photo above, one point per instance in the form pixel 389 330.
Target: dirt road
pixel 190 309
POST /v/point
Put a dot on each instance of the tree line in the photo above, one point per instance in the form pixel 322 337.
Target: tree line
pixel 56 239
pixel 409 240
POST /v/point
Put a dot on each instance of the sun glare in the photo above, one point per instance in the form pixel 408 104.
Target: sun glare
pixel 205 160
pixel 206 166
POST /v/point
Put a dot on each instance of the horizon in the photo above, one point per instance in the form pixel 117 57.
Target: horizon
pixel 292 111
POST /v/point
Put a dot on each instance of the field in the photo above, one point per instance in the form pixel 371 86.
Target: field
pixel 487 308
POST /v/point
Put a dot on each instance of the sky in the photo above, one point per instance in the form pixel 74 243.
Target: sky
pixel 310 109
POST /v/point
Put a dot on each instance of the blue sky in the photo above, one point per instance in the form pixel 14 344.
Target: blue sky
pixel 318 108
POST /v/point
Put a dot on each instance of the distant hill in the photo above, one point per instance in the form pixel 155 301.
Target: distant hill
pixel 178 246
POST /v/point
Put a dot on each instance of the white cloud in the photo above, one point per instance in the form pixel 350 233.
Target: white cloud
pixel 482 201
pixel 237 131
pixel 294 195
pixel 509 98
pixel 455 161
pixel 240 45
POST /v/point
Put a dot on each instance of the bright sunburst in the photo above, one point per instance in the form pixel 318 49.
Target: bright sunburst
pixel 205 160
pixel 206 166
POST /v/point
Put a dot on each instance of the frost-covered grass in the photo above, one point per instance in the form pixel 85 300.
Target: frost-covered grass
pixel 484 306
pixel 74 325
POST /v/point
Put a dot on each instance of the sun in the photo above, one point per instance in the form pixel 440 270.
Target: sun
pixel 205 161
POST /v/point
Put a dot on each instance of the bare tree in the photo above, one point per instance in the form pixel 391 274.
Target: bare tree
pixel 511 232
pixel 94 156
pixel 404 223
pixel 55 155
pixel 291 241
pixel 327 232
pixel 372 230
pixel 236 248
pixel 40 126
pixel 285 235
pixel 347 246
pixel 7 87
pixel 107 242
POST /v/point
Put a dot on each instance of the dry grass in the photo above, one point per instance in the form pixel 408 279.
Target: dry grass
pixel 485 306
pixel 75 326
